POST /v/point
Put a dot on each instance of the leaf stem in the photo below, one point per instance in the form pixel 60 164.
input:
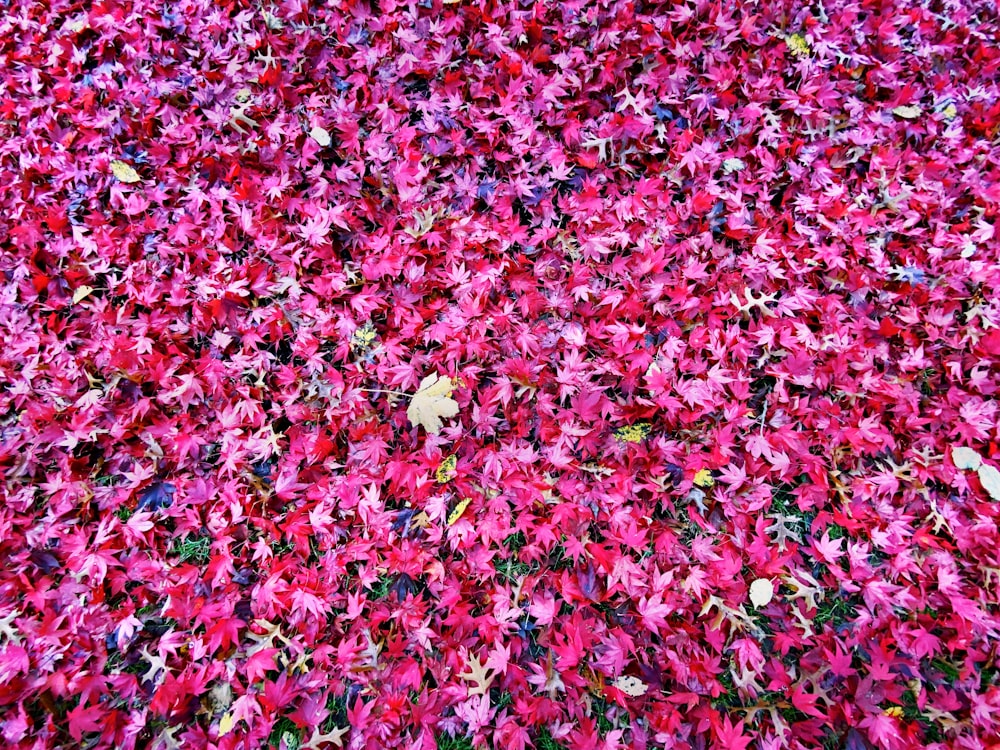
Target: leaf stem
pixel 383 390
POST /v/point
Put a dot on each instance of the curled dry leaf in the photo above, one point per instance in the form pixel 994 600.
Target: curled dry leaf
pixel 431 402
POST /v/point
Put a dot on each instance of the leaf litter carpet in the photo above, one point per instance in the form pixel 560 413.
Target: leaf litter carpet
pixel 584 375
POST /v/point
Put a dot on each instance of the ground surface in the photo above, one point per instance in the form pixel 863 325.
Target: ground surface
pixel 705 295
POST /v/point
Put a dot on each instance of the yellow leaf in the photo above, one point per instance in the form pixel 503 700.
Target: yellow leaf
pixel 894 711
pixel 81 292
pixel 431 402
pixel 949 112
pixel 798 45
pixel 458 511
pixel 761 592
pixel 226 724
pixel 907 111
pixel 123 172
pixel 446 471
pixel 363 338
pixel 704 478
pixel 631 686
pixel 633 433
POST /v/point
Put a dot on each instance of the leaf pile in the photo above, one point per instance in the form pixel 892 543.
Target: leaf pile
pixel 437 374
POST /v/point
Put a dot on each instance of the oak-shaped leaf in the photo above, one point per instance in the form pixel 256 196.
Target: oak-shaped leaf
pixel 479 676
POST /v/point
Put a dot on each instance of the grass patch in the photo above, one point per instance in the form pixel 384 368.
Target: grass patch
pixel 513 569
pixel 381 588
pixel 515 541
pixel 193 549
pixel 459 742
pixel 545 741
pixel 836 610
pixel 284 729
pixel 337 706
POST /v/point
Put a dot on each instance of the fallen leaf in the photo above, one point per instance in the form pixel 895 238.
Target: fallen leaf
pixel 458 510
pixel 907 111
pixel 704 478
pixel 431 402
pixel 633 433
pixel 123 172
pixel 446 471
pixel 8 628
pixel 761 592
pixel 81 292
pixel 989 477
pixel 318 739
pixel 631 686
pixel 798 45
pixel 424 222
pixel 733 165
pixel 479 675
pixel 966 458
pixel 363 338
pixel 226 724
pixel 321 136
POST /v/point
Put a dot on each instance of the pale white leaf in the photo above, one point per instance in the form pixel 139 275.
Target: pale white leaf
pixel 81 293
pixel 966 458
pixel 431 402
pixel 907 111
pixel 733 165
pixel 632 686
pixel 989 477
pixel 761 592
pixel 321 136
